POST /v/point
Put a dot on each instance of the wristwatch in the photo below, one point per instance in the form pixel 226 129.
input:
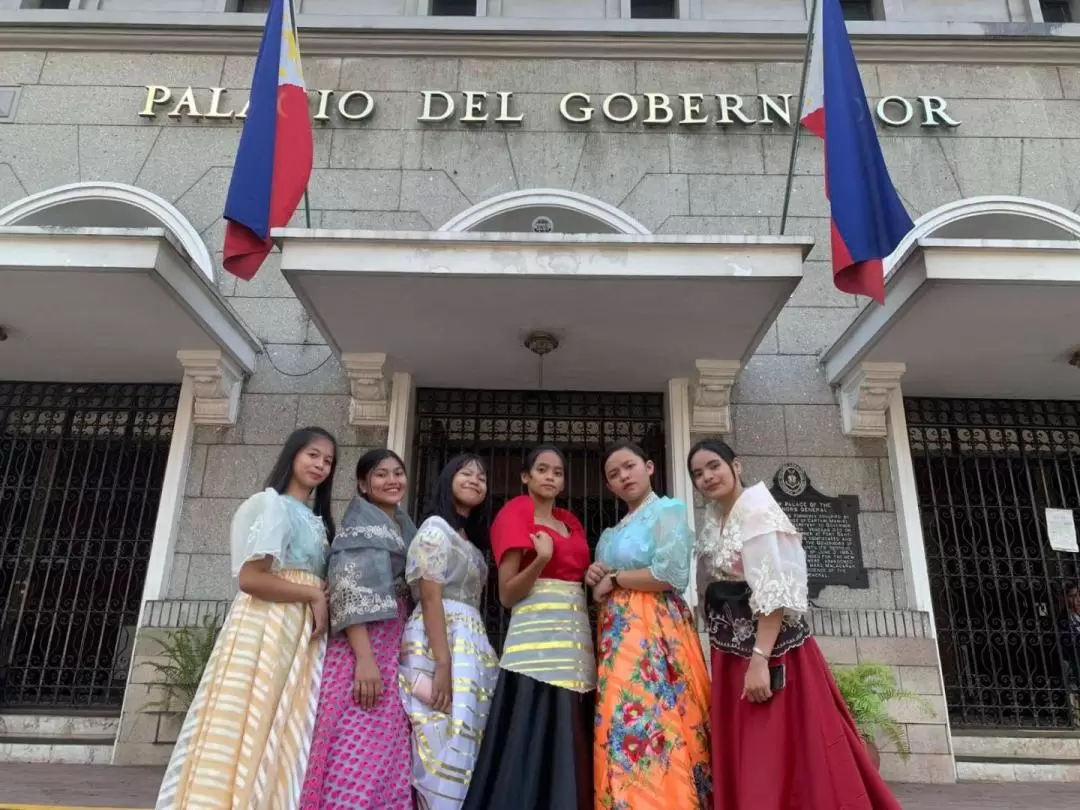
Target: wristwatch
pixel 614 579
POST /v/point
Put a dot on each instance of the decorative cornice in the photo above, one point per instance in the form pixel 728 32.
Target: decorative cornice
pixel 217 382
pixel 864 398
pixel 711 406
pixel 370 402
pixel 494 37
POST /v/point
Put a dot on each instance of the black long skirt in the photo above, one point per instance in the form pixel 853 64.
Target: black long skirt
pixel 537 749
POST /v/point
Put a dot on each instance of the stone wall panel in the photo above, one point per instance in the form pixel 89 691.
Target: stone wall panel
pixel 111 153
pixel 479 163
pixel 554 76
pixel 41 157
pixel 21 67
pixel 74 68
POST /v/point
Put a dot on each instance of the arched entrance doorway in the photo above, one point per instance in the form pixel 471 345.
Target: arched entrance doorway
pixel 978 332
pixel 629 318
pixel 503 425
pixel 107 292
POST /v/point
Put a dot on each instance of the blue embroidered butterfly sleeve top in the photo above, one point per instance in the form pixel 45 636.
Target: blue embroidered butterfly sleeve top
pixel 655 536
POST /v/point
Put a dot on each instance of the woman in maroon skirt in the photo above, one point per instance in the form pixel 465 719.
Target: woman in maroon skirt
pixel 782 736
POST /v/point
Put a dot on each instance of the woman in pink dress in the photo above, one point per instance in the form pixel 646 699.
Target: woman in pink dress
pixel 360 750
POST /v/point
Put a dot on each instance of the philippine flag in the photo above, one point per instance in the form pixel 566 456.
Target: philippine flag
pixel 868 219
pixel 273 162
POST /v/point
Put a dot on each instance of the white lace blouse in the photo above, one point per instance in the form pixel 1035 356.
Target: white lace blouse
pixel 755 544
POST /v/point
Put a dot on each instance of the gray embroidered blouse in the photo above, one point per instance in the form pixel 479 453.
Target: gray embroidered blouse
pixel 367 565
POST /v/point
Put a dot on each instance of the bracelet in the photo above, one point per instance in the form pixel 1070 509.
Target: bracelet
pixel 758 651
pixel 615 579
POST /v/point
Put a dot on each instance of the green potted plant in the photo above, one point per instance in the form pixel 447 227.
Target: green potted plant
pixel 867 688
pixel 186 652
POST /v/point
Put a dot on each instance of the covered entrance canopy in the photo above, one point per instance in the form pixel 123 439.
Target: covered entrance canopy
pixel 107 283
pixel 981 301
pixel 629 311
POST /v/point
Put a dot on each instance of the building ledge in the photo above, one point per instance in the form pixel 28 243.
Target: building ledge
pixel 499 37
pixel 133 299
pixel 968 318
pixel 627 311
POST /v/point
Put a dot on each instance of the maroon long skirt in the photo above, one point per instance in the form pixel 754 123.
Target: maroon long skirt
pixel 799 750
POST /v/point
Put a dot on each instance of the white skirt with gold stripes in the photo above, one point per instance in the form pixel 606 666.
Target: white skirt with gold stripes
pixel 245 741
pixel 445 746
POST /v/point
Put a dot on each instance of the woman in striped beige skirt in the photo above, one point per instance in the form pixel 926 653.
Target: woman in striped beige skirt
pixel 245 741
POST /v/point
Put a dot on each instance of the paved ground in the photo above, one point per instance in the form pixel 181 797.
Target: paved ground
pixel 103 786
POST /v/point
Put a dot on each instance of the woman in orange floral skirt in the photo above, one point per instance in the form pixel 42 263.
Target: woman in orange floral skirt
pixel 651 747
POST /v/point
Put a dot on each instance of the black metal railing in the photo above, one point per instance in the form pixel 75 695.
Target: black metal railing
pixel 986 471
pixel 80 478
pixel 502 426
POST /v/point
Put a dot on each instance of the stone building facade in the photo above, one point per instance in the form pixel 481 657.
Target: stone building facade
pixel 651 250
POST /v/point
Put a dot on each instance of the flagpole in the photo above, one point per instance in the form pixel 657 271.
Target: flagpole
pixel 296 38
pixel 797 123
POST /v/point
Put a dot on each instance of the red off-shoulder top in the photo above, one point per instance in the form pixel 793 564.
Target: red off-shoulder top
pixel 513 529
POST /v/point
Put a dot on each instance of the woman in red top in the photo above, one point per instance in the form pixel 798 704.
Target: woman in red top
pixel 537 748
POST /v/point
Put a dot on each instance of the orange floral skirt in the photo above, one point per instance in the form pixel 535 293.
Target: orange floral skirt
pixel 651 749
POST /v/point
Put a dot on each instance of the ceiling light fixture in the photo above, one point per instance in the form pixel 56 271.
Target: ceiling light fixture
pixel 541 343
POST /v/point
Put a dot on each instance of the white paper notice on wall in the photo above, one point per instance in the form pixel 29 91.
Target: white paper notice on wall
pixel 1061 530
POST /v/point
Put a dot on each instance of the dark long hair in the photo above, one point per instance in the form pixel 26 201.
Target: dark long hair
pixel 476 524
pixel 718 446
pixel 369 461
pixel 281 475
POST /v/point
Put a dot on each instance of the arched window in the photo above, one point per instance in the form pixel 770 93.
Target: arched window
pixel 996 217
pixel 544 211
pixel 108 205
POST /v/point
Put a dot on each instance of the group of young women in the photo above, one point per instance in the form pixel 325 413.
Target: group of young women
pixel 358 674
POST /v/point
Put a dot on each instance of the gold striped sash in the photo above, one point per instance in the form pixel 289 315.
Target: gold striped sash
pixel 549 638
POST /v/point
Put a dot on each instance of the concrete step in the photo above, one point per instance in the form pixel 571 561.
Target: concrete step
pixel 1017 757
pixel 70 752
pixel 62 726
pixel 1049 746
pixel 1010 770
pixel 70 739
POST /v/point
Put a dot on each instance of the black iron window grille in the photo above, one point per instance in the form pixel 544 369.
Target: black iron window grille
pixel 857 10
pixel 81 468
pixel 654 9
pixel 1056 11
pixel 502 426
pixel 986 471
pixel 453 8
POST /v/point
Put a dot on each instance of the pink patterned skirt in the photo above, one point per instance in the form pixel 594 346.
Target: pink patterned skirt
pixel 360 759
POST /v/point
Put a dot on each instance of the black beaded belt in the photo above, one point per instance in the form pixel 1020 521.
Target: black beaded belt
pixel 732 627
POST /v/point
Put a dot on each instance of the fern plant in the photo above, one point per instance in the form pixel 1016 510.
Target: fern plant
pixel 186 652
pixel 866 689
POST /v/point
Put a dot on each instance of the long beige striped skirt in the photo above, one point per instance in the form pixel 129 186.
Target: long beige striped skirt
pixel 245 741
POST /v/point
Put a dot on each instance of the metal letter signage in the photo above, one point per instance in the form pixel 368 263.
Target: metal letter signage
pixel 480 108
pixel 830 530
